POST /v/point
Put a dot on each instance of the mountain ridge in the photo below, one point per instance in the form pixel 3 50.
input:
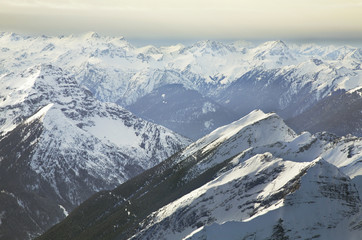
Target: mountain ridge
pixel 223 177
pixel 66 133
pixel 52 149
pixel 116 71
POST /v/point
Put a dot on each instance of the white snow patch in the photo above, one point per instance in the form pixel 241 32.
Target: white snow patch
pixel 208 107
pixel 114 131
pixel 208 124
pixel 20 203
pixel 357 89
pixel 40 114
pixel 1 216
pixel 64 210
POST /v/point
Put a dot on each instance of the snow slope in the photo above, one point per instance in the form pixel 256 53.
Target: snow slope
pixel 281 175
pixel 68 145
pixel 252 179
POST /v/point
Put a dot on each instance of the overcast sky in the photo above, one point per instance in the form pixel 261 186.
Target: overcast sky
pixel 187 19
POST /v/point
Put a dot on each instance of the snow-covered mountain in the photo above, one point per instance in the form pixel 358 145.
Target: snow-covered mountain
pixel 65 134
pixel 240 77
pixel 252 179
pixel 59 145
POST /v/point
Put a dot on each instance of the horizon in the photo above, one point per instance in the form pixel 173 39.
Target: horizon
pixel 161 20
pixel 159 42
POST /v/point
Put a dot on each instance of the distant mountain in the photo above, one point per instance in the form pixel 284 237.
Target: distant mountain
pixel 252 179
pixel 272 76
pixel 339 113
pixel 59 145
pixel 289 90
pixel 183 110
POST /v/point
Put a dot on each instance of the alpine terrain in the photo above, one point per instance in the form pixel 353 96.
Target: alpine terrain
pixel 101 139
pixel 215 83
pixel 59 145
pixel 252 179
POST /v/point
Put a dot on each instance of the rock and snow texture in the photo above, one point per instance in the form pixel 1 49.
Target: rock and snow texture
pixel 58 140
pixel 252 179
pixel 272 76
pixel 67 145
pixel 259 192
pixel 323 205
pixel 275 176
pixel 73 113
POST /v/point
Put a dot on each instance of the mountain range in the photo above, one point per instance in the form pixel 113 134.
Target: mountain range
pixel 227 80
pixel 252 179
pixel 88 117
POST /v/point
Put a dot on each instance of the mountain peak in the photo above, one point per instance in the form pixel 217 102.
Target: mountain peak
pixel 274 46
pixel 249 119
pixel 12 37
pixel 149 50
pixel 48 74
pixel 255 124
pixel 91 35
pixel 276 43
pixel 281 42
pixel 273 54
pixel 210 47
